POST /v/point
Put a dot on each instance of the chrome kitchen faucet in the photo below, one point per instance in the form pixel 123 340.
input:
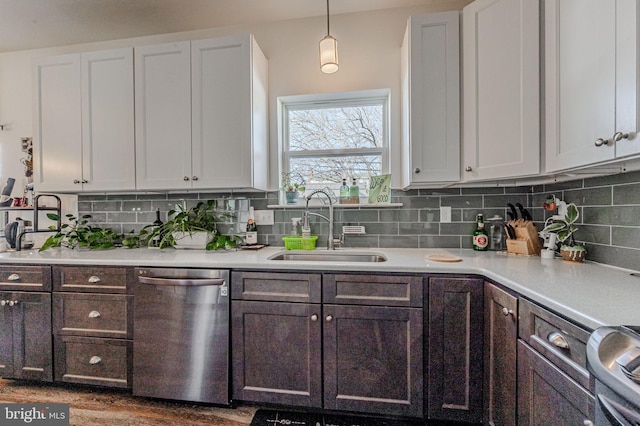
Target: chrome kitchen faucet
pixel 331 241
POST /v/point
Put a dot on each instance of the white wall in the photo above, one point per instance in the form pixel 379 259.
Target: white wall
pixel 369 51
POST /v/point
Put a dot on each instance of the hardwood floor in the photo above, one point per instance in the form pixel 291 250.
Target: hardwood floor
pixel 90 406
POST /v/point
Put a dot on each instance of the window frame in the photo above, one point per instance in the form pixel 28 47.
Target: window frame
pixel 333 100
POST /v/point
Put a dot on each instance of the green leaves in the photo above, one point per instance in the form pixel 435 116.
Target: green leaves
pixel 78 234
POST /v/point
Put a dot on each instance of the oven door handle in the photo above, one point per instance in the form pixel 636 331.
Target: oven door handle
pixel 617 414
pixel 181 281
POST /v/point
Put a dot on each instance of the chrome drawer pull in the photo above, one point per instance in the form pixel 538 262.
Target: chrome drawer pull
pixel 95 360
pixel 506 312
pixel 13 302
pixel 314 317
pixel 94 279
pixel 3 302
pixel 94 314
pixel 558 340
pixel 13 277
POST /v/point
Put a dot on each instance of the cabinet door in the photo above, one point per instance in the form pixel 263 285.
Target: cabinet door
pixel 163 116
pixel 373 359
pixel 500 354
pixel 501 89
pixel 580 70
pixel 108 153
pixel 6 337
pixel 57 124
pixel 276 353
pixel 455 349
pixel 29 325
pixel 431 99
pixel 547 396
pixel 224 125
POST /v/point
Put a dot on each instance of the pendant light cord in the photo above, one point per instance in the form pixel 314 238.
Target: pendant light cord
pixel 328 18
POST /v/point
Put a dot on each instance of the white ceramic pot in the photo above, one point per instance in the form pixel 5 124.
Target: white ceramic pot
pixel 196 240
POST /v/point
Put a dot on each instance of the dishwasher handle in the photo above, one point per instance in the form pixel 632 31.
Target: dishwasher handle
pixel 185 282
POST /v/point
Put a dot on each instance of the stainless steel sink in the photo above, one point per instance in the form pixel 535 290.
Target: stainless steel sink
pixel 329 256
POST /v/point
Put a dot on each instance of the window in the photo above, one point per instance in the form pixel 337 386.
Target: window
pixel 330 137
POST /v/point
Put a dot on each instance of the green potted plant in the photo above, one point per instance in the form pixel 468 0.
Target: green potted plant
pixel 194 227
pixel 292 186
pixel 565 228
pixel 79 234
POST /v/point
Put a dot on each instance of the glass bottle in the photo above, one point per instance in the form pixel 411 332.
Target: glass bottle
pixel 480 236
pixel 157 230
pixel 251 237
pixel 354 192
pixel 344 192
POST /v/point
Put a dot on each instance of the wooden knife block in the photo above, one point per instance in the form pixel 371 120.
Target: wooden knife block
pixel 527 241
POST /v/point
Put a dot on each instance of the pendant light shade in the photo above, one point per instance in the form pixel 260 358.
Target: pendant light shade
pixel 328 51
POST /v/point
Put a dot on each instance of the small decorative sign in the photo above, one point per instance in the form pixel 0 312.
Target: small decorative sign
pixel 380 189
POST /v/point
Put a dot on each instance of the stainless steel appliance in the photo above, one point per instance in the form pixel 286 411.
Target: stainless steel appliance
pixel 181 334
pixel 613 358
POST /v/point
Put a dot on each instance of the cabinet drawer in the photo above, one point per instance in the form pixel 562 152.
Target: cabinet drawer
pixel 379 290
pixel 25 278
pixel 272 286
pixel 94 279
pixel 97 315
pixel 560 341
pixel 104 362
pixel 545 393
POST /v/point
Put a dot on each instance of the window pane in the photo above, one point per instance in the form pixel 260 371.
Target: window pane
pixel 328 171
pixel 336 128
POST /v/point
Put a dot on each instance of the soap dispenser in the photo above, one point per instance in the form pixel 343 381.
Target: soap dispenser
pixel 295 223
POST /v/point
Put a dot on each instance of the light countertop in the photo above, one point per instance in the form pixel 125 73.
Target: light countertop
pixel 590 294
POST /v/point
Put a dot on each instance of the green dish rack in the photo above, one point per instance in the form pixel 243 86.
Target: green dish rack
pixel 300 243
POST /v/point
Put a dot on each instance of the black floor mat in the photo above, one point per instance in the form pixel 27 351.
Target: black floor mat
pixel 276 418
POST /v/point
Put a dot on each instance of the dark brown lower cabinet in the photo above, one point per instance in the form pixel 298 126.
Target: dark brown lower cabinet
pixel 546 395
pixel 500 355
pixel 25 336
pixel 455 339
pixel 277 353
pixel 373 359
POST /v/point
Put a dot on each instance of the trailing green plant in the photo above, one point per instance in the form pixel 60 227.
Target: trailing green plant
pixel 78 233
pixel 203 217
pixel 565 227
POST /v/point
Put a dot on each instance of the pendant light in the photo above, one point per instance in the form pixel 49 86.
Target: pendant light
pixel 328 51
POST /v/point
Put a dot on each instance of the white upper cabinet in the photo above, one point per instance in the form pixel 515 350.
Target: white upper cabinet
pixel 431 99
pixel 84 136
pixel 108 136
pixel 57 145
pixel 501 89
pixel 163 116
pixel 591 67
pixel 201 115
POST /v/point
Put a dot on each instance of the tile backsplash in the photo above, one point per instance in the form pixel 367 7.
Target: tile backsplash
pixel 609 222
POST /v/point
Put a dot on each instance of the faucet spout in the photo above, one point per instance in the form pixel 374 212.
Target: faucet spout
pixel 307 213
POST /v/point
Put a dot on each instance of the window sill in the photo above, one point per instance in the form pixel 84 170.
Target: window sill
pixel 318 204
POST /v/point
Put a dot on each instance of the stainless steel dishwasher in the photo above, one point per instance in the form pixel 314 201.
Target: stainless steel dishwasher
pixel 181 334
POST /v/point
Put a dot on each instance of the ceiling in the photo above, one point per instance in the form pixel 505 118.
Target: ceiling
pixel 31 24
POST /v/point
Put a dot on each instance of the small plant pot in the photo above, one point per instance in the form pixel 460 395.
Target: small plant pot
pixel 573 254
pixel 291 197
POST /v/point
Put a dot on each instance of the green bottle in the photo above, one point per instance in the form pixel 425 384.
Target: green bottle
pixel 480 236
pixel 344 192
pixel 354 192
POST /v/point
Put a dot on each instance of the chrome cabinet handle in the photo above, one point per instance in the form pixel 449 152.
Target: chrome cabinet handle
pixel 76 181
pixel 314 317
pixel 3 302
pixel 587 423
pixel 468 169
pixel 94 314
pixel 186 178
pixel 329 318
pixel 194 178
pixel 95 360
pixel 417 170
pixel 84 181
pixel 558 340
pixel 600 142
pixel 506 312
pixel 94 279
pixel 618 136
pixel 13 277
